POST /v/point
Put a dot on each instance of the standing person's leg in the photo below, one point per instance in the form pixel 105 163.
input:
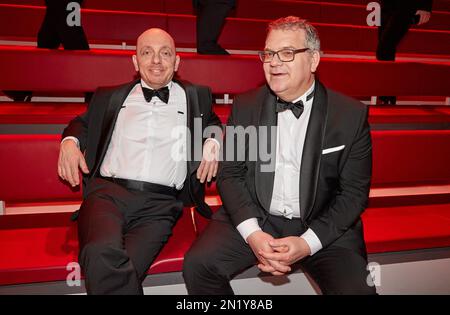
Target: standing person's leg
pixel 394 26
pixel 385 51
pixel 210 20
pixel 103 258
pixel 48 33
pixel 72 36
pixel 215 258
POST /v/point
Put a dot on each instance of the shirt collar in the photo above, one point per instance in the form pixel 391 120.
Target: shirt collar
pixel 169 85
pixel 303 97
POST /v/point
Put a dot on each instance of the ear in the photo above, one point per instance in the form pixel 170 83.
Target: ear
pixel 315 57
pixel 177 62
pixel 135 63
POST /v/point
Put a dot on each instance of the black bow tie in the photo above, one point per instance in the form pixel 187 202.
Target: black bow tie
pixel 162 93
pixel 296 108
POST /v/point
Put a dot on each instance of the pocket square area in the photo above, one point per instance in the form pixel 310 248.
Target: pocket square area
pixel 333 149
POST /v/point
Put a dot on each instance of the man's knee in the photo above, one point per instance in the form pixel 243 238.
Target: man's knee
pixel 195 262
pixel 200 262
pixel 98 254
pixel 354 283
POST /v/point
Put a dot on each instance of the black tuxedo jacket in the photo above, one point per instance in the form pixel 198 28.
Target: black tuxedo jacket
pixel 334 186
pixel 94 129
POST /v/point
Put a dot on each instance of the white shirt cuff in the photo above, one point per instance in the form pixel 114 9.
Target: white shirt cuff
pixel 312 240
pixel 72 138
pixel 247 227
pixel 215 140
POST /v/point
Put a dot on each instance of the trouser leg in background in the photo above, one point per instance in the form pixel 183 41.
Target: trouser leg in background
pixel 210 20
pixel 394 26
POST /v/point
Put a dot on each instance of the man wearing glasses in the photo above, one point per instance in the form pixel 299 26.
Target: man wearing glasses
pixel 307 207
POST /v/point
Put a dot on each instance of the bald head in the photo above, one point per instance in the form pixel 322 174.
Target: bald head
pixel 156 58
pixel 155 35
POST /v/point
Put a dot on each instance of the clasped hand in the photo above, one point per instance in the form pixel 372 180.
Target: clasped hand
pixel 276 256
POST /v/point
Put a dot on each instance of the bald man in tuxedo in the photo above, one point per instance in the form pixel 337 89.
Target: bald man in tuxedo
pixel 137 174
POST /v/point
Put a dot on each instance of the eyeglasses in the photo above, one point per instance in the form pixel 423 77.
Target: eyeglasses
pixel 284 55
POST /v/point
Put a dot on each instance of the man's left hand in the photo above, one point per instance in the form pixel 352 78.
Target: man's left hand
pixel 210 161
pixel 287 250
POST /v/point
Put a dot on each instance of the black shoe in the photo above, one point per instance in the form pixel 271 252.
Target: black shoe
pixel 19 96
pixel 387 100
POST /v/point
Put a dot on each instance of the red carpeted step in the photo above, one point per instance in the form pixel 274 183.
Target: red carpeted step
pixel 84 71
pixel 39 247
pixel 114 27
pixel 409 114
pixel 13 113
pixel 407 228
pixel 40 252
pixel 398 160
pixel 28 164
pixel 315 11
pixel 39 113
pixel 408 157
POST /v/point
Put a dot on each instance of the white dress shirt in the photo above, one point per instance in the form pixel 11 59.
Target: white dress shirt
pixel 291 134
pixel 141 146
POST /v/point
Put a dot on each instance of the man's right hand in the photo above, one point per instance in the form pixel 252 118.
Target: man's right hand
pixel 70 159
pixel 259 242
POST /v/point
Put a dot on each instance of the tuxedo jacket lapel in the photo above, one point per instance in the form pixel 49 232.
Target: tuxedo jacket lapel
pixel 264 176
pixel 192 111
pixel 111 113
pixel 312 151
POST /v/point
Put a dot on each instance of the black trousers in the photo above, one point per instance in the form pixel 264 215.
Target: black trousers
pixel 395 23
pixel 220 253
pixel 120 233
pixel 54 30
pixel 211 16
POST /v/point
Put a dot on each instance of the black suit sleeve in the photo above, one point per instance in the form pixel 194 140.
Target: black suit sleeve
pixel 231 181
pixel 211 118
pixel 78 127
pixel 353 190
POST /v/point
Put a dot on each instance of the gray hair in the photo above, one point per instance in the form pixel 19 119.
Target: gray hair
pixel 295 23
